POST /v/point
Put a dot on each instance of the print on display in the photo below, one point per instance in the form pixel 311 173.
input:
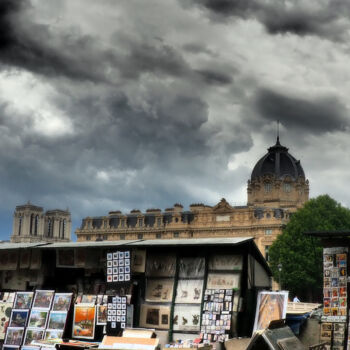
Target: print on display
pixel 118 267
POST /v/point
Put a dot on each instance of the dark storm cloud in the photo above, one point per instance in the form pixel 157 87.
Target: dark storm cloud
pixel 214 77
pixel 328 20
pixel 318 115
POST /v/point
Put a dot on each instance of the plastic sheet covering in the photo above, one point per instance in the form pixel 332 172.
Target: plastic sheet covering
pixel 186 318
pixel 161 265
pixel 226 262
pixel 189 291
pixel 191 267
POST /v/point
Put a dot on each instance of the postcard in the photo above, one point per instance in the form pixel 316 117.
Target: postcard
pixel 23 300
pixel 14 336
pixel 43 299
pixel 33 335
pixel 160 290
pixel 38 318
pixel 18 318
pixel 57 320
pixel 62 301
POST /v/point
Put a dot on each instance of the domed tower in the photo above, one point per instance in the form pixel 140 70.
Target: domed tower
pixel 278 180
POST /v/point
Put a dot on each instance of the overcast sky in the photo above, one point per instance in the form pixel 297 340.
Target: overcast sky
pixel 116 105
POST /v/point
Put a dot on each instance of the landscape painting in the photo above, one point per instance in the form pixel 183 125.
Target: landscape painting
pixel 84 321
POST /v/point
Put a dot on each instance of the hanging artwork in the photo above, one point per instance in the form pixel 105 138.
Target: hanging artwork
pixel 53 334
pixel 38 318
pixel 65 258
pixel 80 258
pixel 191 267
pixel 118 267
pixel 57 320
pixel 226 262
pixel 223 281
pixel 270 306
pixel 186 318
pixel 35 262
pixel 88 299
pixel 4 258
pixel 161 265
pixel 18 318
pixel 138 261
pixel 23 300
pixel 160 290
pixel 84 321
pixel 155 316
pixel 14 336
pixel 12 260
pixel 24 261
pixel 101 314
pixel 5 314
pixel 116 314
pixel 62 301
pixel 33 335
pixel 189 291
pixel 43 299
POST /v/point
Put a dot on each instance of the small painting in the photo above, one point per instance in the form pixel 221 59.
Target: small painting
pixel 138 261
pixel 38 318
pixel 62 301
pixel 18 318
pixel 84 321
pixel 57 320
pixel 23 300
pixel 53 334
pixel 101 315
pixel 43 299
pixel 14 336
pixel 33 335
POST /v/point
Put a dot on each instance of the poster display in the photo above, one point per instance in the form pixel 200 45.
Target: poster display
pixel 84 321
pixel 38 318
pixel 186 317
pixel 155 316
pixel 189 291
pixel 118 267
pixel 270 306
pixel 217 314
pixel 160 290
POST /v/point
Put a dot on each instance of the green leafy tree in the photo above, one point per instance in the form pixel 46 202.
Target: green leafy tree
pixel 301 255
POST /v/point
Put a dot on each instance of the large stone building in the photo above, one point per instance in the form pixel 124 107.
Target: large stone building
pixel 31 224
pixel 276 189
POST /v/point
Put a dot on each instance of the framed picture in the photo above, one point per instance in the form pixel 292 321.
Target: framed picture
pixel 189 291
pixel 30 347
pixel 33 335
pixel 12 260
pixel 80 257
pixel 35 261
pixel 43 299
pixel 160 290
pixel 5 315
pixel 161 265
pixel 57 320
pixel 24 261
pixel 18 318
pixel 270 306
pixel 53 334
pixel 101 314
pixel 23 300
pixel 226 262
pixel 88 299
pixel 223 281
pixel 155 316
pixel 138 261
pixel 186 318
pixel 84 321
pixel 65 258
pixel 14 336
pixel 62 301
pixel 38 318
pixel 191 267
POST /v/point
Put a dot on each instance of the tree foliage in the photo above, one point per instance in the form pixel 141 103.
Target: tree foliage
pixel 301 255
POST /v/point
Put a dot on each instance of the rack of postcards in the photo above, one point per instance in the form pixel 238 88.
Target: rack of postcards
pixel 333 327
pixel 6 302
pixel 37 316
pixel 189 291
pixel 223 282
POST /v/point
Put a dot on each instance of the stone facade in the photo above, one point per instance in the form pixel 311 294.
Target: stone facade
pixel 276 189
pixel 31 224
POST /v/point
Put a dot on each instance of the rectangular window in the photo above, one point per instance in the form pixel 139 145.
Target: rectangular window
pixel 158 235
pixel 140 222
pixel 267 257
pixel 88 238
pixel 122 223
pixel 268 232
pixel 140 236
pixel 176 234
pixel 159 222
pixel 122 236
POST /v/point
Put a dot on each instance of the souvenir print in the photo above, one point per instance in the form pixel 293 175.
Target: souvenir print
pixel 35 261
pixel 161 265
pixel 5 314
pixel 223 281
pixel 80 258
pixel 62 301
pixel 159 290
pixel 326 326
pixel 14 336
pixel 101 315
pixel 57 320
pixel 189 291
pixel 138 261
pixel 53 334
pixel 23 300
pixel 84 321
pixel 155 316
pixel 186 318
pixel 38 318
pixel 33 335
pixel 43 299
pixel 18 318
pixel 24 261
pixel 88 299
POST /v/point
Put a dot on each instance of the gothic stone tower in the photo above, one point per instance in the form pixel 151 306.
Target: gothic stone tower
pixel 31 224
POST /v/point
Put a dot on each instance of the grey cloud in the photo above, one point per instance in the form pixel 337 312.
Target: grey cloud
pixel 214 77
pixel 318 115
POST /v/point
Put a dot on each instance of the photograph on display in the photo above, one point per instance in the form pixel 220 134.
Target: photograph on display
pixel 65 258
pixel 62 301
pixel 23 300
pixel 191 267
pixel 33 335
pixel 18 318
pixel 270 306
pixel 53 334
pixel 101 315
pixel 14 336
pixel 159 290
pixel 225 262
pixel 43 299
pixel 155 316
pixel 186 318
pixel 84 321
pixel 24 261
pixel 5 315
pixel 35 261
pixel 80 258
pixel 189 291
pixel 223 281
pixel 57 320
pixel 38 318
pixel 12 260
pixel 88 299
pixel 161 265
pixel 138 261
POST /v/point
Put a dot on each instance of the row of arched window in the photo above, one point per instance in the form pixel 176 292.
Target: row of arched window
pixel 34 226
